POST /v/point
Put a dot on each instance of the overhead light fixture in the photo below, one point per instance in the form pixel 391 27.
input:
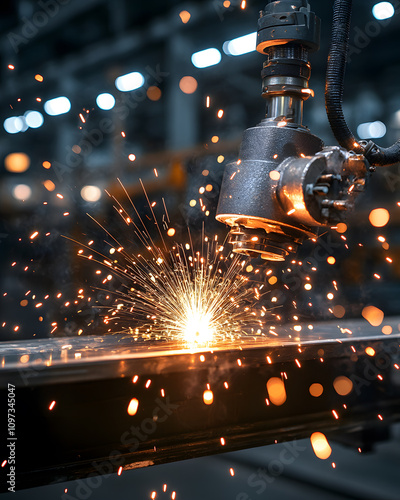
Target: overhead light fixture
pixel 371 130
pixel 22 192
pixel 57 106
pixel 91 193
pixel 130 81
pixel 15 124
pixel 383 10
pixel 241 45
pixel 105 101
pixel 34 119
pixel 206 58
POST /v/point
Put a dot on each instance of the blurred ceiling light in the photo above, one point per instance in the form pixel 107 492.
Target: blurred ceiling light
pixel 383 10
pixel 105 101
pixel 91 193
pixel 371 130
pixel 22 192
pixel 34 119
pixel 57 106
pixel 130 81
pixel 188 84
pixel 242 45
pixel 206 58
pixel 14 124
pixel 17 162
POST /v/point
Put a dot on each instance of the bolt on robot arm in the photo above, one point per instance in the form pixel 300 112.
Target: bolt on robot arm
pixel 286 184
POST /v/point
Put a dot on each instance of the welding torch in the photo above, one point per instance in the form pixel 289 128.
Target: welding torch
pixel 286 184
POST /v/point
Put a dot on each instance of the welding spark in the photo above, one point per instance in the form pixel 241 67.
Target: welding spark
pixel 175 293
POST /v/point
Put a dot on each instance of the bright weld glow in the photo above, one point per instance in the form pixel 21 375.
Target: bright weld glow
pixel 52 405
pixel 241 45
pixel 57 106
pixel 197 328
pixel 191 297
pixel 206 58
pixel 371 130
pixel 91 194
pixel 383 10
pixel 105 101
pixel 130 81
pixel 34 119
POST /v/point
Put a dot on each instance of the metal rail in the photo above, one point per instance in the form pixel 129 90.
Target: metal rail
pixel 92 380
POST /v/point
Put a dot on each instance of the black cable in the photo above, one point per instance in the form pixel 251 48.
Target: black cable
pixel 334 90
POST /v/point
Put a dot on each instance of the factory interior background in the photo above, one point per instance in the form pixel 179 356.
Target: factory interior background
pixel 101 91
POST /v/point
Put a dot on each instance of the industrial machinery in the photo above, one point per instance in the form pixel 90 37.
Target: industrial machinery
pixel 108 404
pixel 286 184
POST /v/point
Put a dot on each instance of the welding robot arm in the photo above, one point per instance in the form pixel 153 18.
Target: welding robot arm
pixel 286 184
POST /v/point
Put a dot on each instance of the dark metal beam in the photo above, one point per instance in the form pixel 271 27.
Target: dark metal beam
pixel 91 380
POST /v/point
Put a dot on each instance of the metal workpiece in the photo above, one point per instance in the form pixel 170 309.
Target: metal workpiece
pixel 75 419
